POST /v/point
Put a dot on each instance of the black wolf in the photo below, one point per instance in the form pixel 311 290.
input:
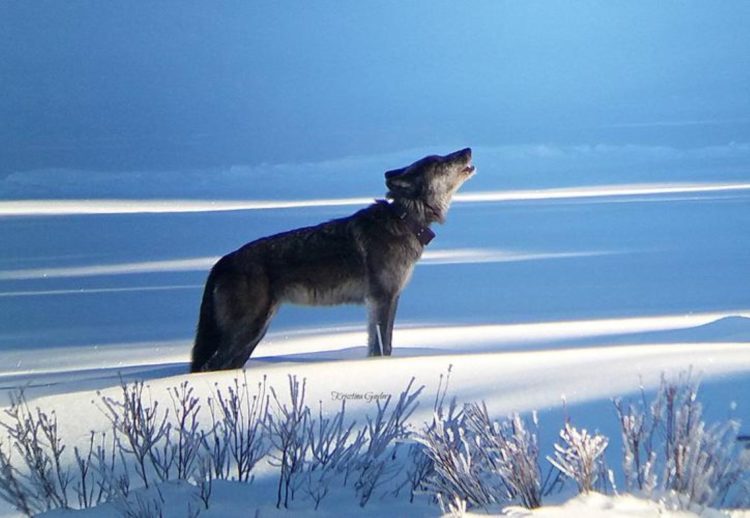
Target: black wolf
pixel 367 258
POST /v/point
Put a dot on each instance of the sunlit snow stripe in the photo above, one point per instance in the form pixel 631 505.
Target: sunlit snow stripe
pixel 470 256
pixel 94 291
pixel 177 265
pixel 604 191
pixel 81 207
pixel 458 338
pixel 109 206
pixel 410 338
pixel 430 257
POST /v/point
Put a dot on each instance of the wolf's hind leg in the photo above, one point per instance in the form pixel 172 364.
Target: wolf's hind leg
pixel 238 343
pixel 243 311
pixel 247 343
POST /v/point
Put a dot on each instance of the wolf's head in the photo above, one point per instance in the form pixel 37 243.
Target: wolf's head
pixel 431 180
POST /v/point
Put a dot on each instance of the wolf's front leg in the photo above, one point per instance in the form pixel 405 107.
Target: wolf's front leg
pixel 382 313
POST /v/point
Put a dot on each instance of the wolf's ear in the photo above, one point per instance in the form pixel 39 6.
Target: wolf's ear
pixel 401 182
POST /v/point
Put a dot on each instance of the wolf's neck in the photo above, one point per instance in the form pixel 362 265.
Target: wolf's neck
pixel 417 218
pixel 419 211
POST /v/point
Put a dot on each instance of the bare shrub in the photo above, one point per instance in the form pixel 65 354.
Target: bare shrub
pixel 186 407
pixel 142 505
pixel 216 443
pixel 141 428
pixel 89 489
pixel 238 420
pixel 111 467
pixel 287 430
pixel 375 464
pixel 13 488
pixel 331 451
pixel 204 479
pixel 42 482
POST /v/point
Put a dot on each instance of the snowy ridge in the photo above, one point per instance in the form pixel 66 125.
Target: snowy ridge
pixel 503 379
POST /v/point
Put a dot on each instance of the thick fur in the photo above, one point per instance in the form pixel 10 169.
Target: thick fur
pixel 366 258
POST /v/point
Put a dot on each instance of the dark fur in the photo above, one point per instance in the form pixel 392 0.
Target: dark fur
pixel 367 257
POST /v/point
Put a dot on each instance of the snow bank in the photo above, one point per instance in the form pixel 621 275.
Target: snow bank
pixel 595 505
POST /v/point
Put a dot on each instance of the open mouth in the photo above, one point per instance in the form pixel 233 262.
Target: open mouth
pixel 468 170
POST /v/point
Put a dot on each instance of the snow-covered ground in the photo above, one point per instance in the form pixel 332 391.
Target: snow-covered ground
pixel 538 288
pixel 603 242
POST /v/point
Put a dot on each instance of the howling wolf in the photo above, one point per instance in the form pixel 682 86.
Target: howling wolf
pixel 366 258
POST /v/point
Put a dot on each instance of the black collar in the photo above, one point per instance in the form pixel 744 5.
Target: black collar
pixel 423 234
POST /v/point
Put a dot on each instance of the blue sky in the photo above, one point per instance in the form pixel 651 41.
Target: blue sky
pixel 152 86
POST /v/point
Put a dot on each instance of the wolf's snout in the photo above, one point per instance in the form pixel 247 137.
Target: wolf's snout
pixel 465 155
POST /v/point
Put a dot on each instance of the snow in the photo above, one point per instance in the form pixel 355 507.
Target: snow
pixel 621 506
pixel 534 296
pixel 234 499
pixel 602 243
pixel 52 207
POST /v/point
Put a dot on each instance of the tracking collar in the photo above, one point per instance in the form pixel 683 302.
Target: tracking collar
pixel 423 234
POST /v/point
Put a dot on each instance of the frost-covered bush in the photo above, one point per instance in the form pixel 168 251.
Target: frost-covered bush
pixel 456 508
pixel 476 462
pixel 667 446
pixel 511 452
pixel 457 472
pixel 638 429
pixel 579 457
pixel 462 459
pixel 421 468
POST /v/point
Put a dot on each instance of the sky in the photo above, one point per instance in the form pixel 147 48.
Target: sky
pixel 148 86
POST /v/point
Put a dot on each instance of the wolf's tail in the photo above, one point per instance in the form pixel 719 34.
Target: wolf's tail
pixel 208 335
